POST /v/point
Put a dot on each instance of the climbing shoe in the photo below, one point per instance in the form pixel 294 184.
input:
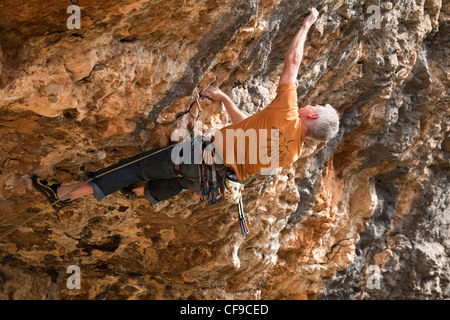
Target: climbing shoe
pixel 49 190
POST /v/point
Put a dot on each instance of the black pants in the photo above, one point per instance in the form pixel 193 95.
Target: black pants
pixel 162 182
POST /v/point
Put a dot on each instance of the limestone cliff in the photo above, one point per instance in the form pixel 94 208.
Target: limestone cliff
pixel 365 216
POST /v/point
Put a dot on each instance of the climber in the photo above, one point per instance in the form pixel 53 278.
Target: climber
pixel 158 177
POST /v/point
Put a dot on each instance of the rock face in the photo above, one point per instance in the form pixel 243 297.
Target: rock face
pixel 365 216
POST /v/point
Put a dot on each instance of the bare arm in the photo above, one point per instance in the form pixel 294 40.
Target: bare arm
pixel 216 94
pixel 294 53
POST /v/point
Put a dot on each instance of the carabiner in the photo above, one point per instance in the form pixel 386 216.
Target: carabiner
pixel 244 227
pixel 197 100
pixel 211 198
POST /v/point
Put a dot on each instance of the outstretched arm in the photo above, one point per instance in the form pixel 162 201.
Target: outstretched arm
pixel 294 53
pixel 216 94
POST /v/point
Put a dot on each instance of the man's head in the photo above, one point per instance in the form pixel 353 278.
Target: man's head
pixel 320 122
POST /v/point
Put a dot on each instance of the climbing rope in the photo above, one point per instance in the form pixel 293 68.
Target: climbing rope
pixel 110 171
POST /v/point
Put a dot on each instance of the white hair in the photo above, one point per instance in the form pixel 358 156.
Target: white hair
pixel 326 126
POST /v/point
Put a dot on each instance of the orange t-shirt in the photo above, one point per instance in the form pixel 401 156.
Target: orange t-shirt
pixel 267 140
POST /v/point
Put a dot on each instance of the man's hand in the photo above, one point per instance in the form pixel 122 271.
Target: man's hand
pixel 311 18
pixel 214 93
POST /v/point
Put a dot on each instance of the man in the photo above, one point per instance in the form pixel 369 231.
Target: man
pixel 279 131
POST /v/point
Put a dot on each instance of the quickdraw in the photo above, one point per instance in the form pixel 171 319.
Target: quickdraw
pixel 241 217
pixel 209 187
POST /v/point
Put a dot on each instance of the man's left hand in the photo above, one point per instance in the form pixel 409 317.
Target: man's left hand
pixel 213 93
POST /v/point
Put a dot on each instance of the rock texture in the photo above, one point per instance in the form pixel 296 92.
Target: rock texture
pixel 365 216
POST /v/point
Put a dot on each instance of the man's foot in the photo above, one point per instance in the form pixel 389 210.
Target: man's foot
pixel 128 191
pixel 50 191
pixel 139 188
pixel 133 190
